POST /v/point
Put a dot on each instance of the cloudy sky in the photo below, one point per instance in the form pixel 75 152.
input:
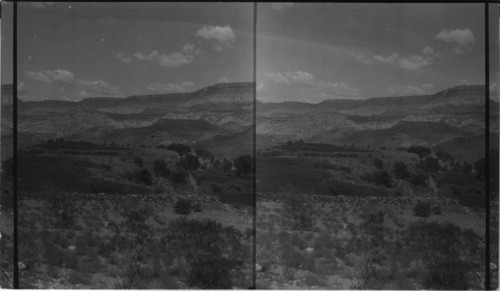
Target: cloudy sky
pixel 313 52
pixel 70 51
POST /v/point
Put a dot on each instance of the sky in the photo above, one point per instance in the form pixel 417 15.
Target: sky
pixel 70 51
pixel 305 52
pixel 314 52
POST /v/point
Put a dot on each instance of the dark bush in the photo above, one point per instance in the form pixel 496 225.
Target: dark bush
pixel 138 161
pixel 448 274
pixel 204 154
pixel 421 151
pixel 436 210
pixel 211 251
pixel 197 207
pixel 160 168
pixel 400 170
pixel 216 188
pixel 183 206
pixel 379 178
pixel 189 162
pixel 181 149
pixel 243 165
pixel 379 164
pixel 179 177
pixel 140 176
pixel 418 179
pixel 299 209
pixel 422 209
pixel 8 168
pixel 480 167
pixel 429 164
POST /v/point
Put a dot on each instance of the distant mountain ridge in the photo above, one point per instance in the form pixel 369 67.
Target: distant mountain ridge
pixel 380 121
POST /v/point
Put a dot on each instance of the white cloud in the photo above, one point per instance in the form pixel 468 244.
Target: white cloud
pixel 281 6
pixel 65 81
pixel 96 89
pixel 175 59
pixel 50 76
pixel 277 77
pixel 170 88
pixel 41 5
pixel 411 90
pixel 414 62
pixel 462 38
pixel 464 82
pixel 221 36
pixel 321 88
pixel 362 59
pixel 223 80
pixel 123 58
pixel 300 76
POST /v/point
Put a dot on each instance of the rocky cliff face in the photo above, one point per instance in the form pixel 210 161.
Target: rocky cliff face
pixel 333 121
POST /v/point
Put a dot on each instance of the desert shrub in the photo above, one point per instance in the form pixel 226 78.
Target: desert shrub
pixel 447 274
pixel 400 170
pixel 429 164
pixel 314 280
pixel 71 261
pixel 327 165
pixel 378 163
pixel 54 256
pixel 138 161
pixel 422 209
pixel 160 168
pixel 76 277
pixel 136 276
pixel 8 168
pixel 243 165
pixel 211 250
pixel 140 176
pixel 436 210
pixel 421 151
pixel 480 167
pixel 290 256
pixel 181 149
pixel 216 188
pixel 299 209
pixel 197 207
pixel 189 162
pixel 379 178
pixel 179 177
pixel 204 154
pixel 99 185
pixel 418 179
pixel 183 206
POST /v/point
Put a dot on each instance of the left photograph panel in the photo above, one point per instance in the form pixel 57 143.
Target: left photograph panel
pixel 134 146
pixel 6 151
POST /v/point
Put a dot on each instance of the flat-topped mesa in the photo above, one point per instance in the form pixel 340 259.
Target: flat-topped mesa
pixel 227 94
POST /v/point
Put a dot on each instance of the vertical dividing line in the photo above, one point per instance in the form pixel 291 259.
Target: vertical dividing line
pixel 487 284
pixel 14 146
pixel 254 146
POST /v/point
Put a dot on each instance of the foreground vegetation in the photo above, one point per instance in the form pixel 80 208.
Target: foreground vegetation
pixel 133 244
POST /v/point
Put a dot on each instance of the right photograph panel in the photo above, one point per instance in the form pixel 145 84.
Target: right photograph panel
pixel 370 141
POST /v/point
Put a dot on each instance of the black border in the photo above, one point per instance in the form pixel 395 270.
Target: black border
pixel 487 281
pixel 14 146
pixel 254 250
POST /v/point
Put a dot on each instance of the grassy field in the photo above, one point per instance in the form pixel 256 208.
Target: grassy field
pixel 106 245
pixel 369 246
